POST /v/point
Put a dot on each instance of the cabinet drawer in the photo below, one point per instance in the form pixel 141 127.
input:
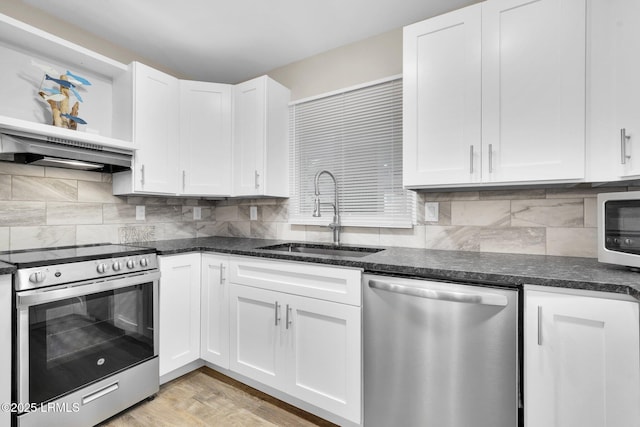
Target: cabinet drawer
pixel 316 281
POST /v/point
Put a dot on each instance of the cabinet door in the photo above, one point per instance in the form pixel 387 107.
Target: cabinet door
pixel 627 89
pixel 249 137
pixel 442 99
pixel 205 138
pixel 615 88
pixel 533 90
pixel 323 348
pixel 214 338
pixel 156 131
pixel 255 334
pixel 179 311
pixel 582 361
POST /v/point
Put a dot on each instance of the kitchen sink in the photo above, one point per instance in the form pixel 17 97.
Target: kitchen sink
pixel 318 249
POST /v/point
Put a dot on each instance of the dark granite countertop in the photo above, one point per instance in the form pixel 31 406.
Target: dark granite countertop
pixel 472 267
pixel 6 268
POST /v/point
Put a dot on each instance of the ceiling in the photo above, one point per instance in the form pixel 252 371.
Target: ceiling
pixel 229 41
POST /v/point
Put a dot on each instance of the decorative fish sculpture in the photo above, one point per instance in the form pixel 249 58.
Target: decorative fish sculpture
pixel 59 81
pixel 55 97
pixel 52 90
pixel 74 118
pixel 44 67
pixel 76 94
pixel 78 80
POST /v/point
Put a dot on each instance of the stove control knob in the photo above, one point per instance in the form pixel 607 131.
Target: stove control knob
pixel 131 264
pixel 117 266
pixel 144 262
pixel 628 241
pixel 102 268
pixel 37 277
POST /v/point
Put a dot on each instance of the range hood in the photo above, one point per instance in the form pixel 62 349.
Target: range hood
pixel 42 150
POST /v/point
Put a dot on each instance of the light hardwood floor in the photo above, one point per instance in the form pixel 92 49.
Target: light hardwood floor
pixel 207 398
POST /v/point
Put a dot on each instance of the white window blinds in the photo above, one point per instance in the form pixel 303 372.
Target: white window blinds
pixel 357 136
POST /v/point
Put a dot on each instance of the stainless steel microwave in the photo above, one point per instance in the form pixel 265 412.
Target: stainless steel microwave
pixel 619 228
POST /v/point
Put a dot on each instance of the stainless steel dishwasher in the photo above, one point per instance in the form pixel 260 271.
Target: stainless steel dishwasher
pixel 439 354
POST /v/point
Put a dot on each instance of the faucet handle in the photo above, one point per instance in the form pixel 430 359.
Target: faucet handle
pixel 316 207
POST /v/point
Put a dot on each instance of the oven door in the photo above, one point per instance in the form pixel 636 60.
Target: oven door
pixel 74 335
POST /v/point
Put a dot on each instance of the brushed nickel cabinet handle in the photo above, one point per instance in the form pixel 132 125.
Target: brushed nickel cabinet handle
pixel 471 159
pixel 277 316
pixel 539 325
pixel 288 318
pixel 257 178
pixel 222 278
pixel 623 146
pixel 184 180
pixel 142 175
pixel 490 158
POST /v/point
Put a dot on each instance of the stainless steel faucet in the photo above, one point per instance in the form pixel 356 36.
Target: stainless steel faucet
pixel 335 225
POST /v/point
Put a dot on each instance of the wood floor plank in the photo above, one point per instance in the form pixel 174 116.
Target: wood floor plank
pixel 205 398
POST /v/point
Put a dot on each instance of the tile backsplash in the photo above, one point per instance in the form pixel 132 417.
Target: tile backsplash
pixel 42 207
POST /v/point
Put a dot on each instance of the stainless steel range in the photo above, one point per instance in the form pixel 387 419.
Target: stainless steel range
pixel 86 335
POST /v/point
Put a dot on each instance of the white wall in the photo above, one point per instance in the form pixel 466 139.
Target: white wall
pixel 364 61
pixel 39 19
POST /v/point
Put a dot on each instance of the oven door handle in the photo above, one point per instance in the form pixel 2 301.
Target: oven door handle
pixel 45 295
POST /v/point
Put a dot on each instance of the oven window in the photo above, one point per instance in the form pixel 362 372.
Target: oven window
pixel 79 340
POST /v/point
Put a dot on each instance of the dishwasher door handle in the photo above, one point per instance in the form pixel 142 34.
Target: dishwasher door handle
pixel 483 298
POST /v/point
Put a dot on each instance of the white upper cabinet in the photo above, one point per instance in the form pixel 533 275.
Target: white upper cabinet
pixel 155 130
pixel 582 361
pixel 205 139
pixel 614 115
pixel 442 99
pixel 495 93
pixel 260 140
pixel 533 87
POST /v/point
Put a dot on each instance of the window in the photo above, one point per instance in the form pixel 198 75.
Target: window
pixel 357 136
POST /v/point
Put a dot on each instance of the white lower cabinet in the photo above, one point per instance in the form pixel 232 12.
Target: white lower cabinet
pixel 214 310
pixel 256 316
pixel 179 311
pixel 582 361
pixel 294 327
pixel 308 348
pixel 322 354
